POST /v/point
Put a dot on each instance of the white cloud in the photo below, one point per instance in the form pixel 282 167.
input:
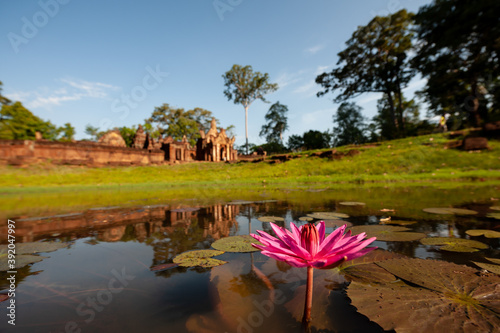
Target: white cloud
pixel 308 89
pixel 315 49
pixel 286 78
pixel 71 90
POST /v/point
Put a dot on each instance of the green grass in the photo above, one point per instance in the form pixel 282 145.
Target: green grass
pixel 417 159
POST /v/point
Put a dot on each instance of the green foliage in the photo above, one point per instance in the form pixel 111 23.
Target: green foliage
pixel 243 86
pixel 68 133
pixel 3 100
pixel 350 125
pixel 375 60
pixel 316 140
pixel 271 148
pixel 128 134
pixel 93 132
pixel 18 123
pixel 458 54
pixel 386 127
pixel 295 142
pixel 277 123
pixel 177 122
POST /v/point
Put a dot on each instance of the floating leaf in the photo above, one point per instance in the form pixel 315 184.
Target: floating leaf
pixel 387 210
pixel 200 258
pixel 365 270
pixel 21 261
pixel 489 267
pixel 241 243
pixel 328 215
pixel 337 223
pixel 35 247
pixel 306 218
pixel 271 219
pixel 483 232
pixel 387 233
pixel 454 298
pixel 494 260
pixel 450 211
pixel 455 244
pixel 399 222
pixel 351 203
pixel 495 207
pixel 493 215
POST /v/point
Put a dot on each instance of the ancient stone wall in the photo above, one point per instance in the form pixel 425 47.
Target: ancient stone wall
pixel 21 152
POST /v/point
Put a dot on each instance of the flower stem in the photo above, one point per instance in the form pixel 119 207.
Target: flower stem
pixel 309 295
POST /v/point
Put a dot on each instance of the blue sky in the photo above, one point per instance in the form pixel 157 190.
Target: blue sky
pixel 110 63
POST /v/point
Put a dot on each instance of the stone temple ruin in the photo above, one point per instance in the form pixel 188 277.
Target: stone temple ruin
pixel 213 146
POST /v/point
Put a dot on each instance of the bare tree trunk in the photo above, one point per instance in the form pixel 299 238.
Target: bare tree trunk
pixel 246 127
pixel 391 109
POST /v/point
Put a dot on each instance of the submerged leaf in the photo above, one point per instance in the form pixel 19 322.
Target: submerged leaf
pixel 495 207
pixel 387 233
pixel 163 267
pixel 483 232
pixel 241 243
pixel 493 215
pixel 450 211
pixel 448 298
pixel 21 261
pixel 337 223
pixel 455 244
pixel 489 267
pixel 200 258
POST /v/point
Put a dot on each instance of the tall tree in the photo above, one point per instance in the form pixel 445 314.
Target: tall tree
pixel 295 142
pixel 383 122
pixel 243 86
pixel 459 53
pixel 375 60
pixel 316 140
pixel 67 132
pixel 93 132
pixel 277 123
pixel 350 125
pixel 18 123
pixel 3 100
pixel 177 122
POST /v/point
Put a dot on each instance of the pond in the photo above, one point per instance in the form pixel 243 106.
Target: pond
pixel 114 271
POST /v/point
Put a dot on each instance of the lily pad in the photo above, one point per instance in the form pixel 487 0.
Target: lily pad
pixel 365 270
pixel 493 215
pixel 493 260
pixel 399 222
pixel 327 215
pixel 454 244
pixel 450 211
pixel 21 261
pixel 271 219
pixel 306 218
pixel 495 207
pixel 489 267
pixel 388 233
pixel 241 243
pixel 483 232
pixel 352 203
pixel 447 298
pixel 202 258
pixel 337 223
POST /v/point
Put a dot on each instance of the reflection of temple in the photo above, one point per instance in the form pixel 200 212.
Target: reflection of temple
pixel 215 146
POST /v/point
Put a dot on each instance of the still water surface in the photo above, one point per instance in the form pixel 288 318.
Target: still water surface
pixel 103 281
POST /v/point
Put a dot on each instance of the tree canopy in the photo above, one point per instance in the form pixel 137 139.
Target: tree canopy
pixel 177 122
pixel 277 123
pixel 18 123
pixel 375 60
pixel 459 54
pixel 350 125
pixel 244 86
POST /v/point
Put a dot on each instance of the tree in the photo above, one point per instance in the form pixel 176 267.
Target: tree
pixel 459 53
pixel 277 123
pixel 176 122
pixel 128 134
pixel 68 132
pixel 375 60
pixel 350 125
pixel 93 132
pixel 316 140
pixel 18 123
pixel 243 86
pixel 3 100
pixel 295 142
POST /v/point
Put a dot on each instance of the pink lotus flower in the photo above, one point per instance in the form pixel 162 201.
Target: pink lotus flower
pixel 307 245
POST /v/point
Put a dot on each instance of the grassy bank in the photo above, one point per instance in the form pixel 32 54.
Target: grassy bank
pixel 418 159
